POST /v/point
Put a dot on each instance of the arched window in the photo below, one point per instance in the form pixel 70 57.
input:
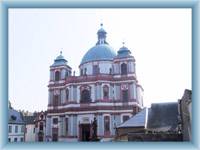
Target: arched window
pixel 123 69
pixel 95 69
pixel 105 92
pixel 125 95
pixel 41 126
pixel 85 96
pixel 57 75
pixel 67 94
pixel 55 100
pixel 106 124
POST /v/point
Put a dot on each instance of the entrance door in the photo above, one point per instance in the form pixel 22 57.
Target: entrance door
pixel 55 137
pixel 85 132
pixel 40 137
pixel 54 134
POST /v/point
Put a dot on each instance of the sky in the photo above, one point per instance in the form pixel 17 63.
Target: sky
pixel 159 39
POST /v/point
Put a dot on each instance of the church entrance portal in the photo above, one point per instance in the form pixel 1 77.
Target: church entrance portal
pixel 85 132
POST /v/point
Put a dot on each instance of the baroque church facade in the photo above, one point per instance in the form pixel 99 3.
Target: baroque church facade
pixel 107 91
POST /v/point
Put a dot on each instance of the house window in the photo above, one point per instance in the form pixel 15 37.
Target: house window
pixel 15 139
pixel 95 69
pixel 123 69
pixel 67 94
pixel 85 96
pixel 55 120
pixel 107 123
pixel 21 139
pixel 33 130
pixel 105 92
pixel 16 129
pixel 66 126
pixel 10 129
pixel 125 95
pixel 57 75
pixel 22 128
pixel 9 140
pixel 125 118
pixel 41 126
pixel 55 100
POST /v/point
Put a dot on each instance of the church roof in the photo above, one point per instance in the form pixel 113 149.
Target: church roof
pixel 138 120
pixel 15 117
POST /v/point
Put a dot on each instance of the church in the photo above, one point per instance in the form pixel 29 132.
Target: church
pixel 106 91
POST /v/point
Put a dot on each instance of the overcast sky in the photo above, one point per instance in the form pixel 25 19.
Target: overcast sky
pixel 159 39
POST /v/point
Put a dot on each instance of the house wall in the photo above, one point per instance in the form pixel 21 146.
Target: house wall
pixel 30 133
pixel 19 135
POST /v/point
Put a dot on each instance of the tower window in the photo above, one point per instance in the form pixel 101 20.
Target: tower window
pixel 110 71
pixel 105 92
pixel 57 75
pixel 67 94
pixel 81 72
pixel 55 100
pixel 125 95
pixel 55 120
pixel 123 69
pixel 85 96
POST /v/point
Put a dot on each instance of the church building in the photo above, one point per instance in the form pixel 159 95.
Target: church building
pixel 107 91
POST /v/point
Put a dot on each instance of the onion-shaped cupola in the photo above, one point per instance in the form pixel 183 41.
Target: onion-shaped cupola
pixel 59 61
pixel 101 51
pixel 123 52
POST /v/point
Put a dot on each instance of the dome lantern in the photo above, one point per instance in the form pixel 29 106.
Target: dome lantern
pixel 101 36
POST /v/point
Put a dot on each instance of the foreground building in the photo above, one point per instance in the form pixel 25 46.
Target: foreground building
pixel 15 126
pixel 30 134
pixel 185 108
pixel 160 122
pixel 106 90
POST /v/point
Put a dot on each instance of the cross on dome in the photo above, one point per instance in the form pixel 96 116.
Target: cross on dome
pixel 123 43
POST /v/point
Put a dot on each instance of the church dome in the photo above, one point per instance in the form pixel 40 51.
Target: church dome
pixel 101 51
